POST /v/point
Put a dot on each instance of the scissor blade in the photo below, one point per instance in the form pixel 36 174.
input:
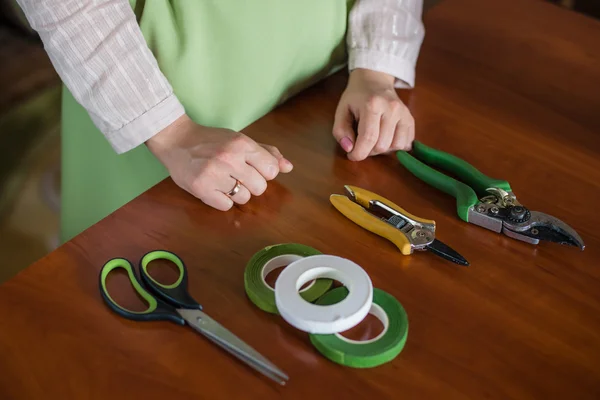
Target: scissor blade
pixel 231 343
pixel 440 249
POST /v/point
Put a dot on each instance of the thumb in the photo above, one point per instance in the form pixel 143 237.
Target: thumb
pixel 343 130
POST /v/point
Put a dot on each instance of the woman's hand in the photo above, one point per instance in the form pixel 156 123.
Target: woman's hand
pixel 207 161
pixel 384 122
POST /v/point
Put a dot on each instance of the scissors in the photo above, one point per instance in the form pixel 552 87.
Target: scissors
pixel 173 303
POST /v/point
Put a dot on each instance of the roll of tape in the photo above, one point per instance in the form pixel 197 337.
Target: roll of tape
pixel 368 353
pixel 323 319
pixel 271 258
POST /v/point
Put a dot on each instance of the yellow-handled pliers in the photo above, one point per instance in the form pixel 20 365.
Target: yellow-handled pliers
pixel 379 215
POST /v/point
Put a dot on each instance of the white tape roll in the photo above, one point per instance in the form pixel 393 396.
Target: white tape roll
pixel 317 318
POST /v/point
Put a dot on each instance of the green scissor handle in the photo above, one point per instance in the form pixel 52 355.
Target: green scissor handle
pixel 163 300
pixel 156 311
pixel 465 194
pixel 176 294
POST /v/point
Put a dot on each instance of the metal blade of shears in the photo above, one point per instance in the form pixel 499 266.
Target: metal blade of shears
pixel 440 249
pixel 232 344
pixel 541 226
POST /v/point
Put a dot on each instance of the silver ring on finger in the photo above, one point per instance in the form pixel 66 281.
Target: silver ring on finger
pixel 235 189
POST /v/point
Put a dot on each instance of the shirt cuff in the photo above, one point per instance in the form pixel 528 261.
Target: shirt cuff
pixel 146 125
pixel 402 69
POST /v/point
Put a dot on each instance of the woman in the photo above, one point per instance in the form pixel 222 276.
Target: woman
pixel 162 87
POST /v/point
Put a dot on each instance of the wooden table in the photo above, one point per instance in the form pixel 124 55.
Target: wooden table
pixel 511 88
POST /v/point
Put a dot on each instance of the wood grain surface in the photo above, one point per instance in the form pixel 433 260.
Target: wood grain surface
pixel 512 89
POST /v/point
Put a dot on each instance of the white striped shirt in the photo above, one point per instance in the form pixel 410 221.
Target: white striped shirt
pixel 99 52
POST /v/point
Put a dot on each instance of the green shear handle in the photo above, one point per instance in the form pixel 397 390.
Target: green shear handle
pixel 485 201
pixel 466 194
pixel 163 300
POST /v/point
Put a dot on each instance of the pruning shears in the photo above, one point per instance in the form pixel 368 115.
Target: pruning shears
pixel 384 218
pixel 485 201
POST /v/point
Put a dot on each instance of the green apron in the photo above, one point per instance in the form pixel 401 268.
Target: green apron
pixel 229 61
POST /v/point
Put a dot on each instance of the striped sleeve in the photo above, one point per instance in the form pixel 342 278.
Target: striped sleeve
pixel 99 52
pixel 386 36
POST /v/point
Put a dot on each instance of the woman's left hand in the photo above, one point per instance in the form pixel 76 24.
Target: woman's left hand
pixel 384 123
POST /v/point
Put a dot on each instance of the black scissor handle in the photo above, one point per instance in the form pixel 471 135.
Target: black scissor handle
pixel 157 310
pixel 176 294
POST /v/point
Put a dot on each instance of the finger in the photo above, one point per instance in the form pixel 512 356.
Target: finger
pixel 387 130
pixel 343 130
pixel 218 200
pixel 265 163
pixel 214 197
pixel 210 190
pixel 242 196
pixel 401 136
pixel 408 132
pixel 251 179
pixel 226 186
pixel 284 164
pixel 411 135
pixel 368 134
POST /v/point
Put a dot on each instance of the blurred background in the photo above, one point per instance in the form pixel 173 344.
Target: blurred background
pixel 30 139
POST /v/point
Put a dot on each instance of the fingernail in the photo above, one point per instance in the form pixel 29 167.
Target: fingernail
pixel 273 170
pixel 288 164
pixel 346 144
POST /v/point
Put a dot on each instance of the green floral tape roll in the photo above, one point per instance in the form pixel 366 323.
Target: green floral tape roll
pixel 271 258
pixel 369 353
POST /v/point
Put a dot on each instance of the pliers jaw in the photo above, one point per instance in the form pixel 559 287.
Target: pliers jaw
pixel 502 213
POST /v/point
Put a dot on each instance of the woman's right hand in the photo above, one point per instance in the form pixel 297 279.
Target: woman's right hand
pixel 207 161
